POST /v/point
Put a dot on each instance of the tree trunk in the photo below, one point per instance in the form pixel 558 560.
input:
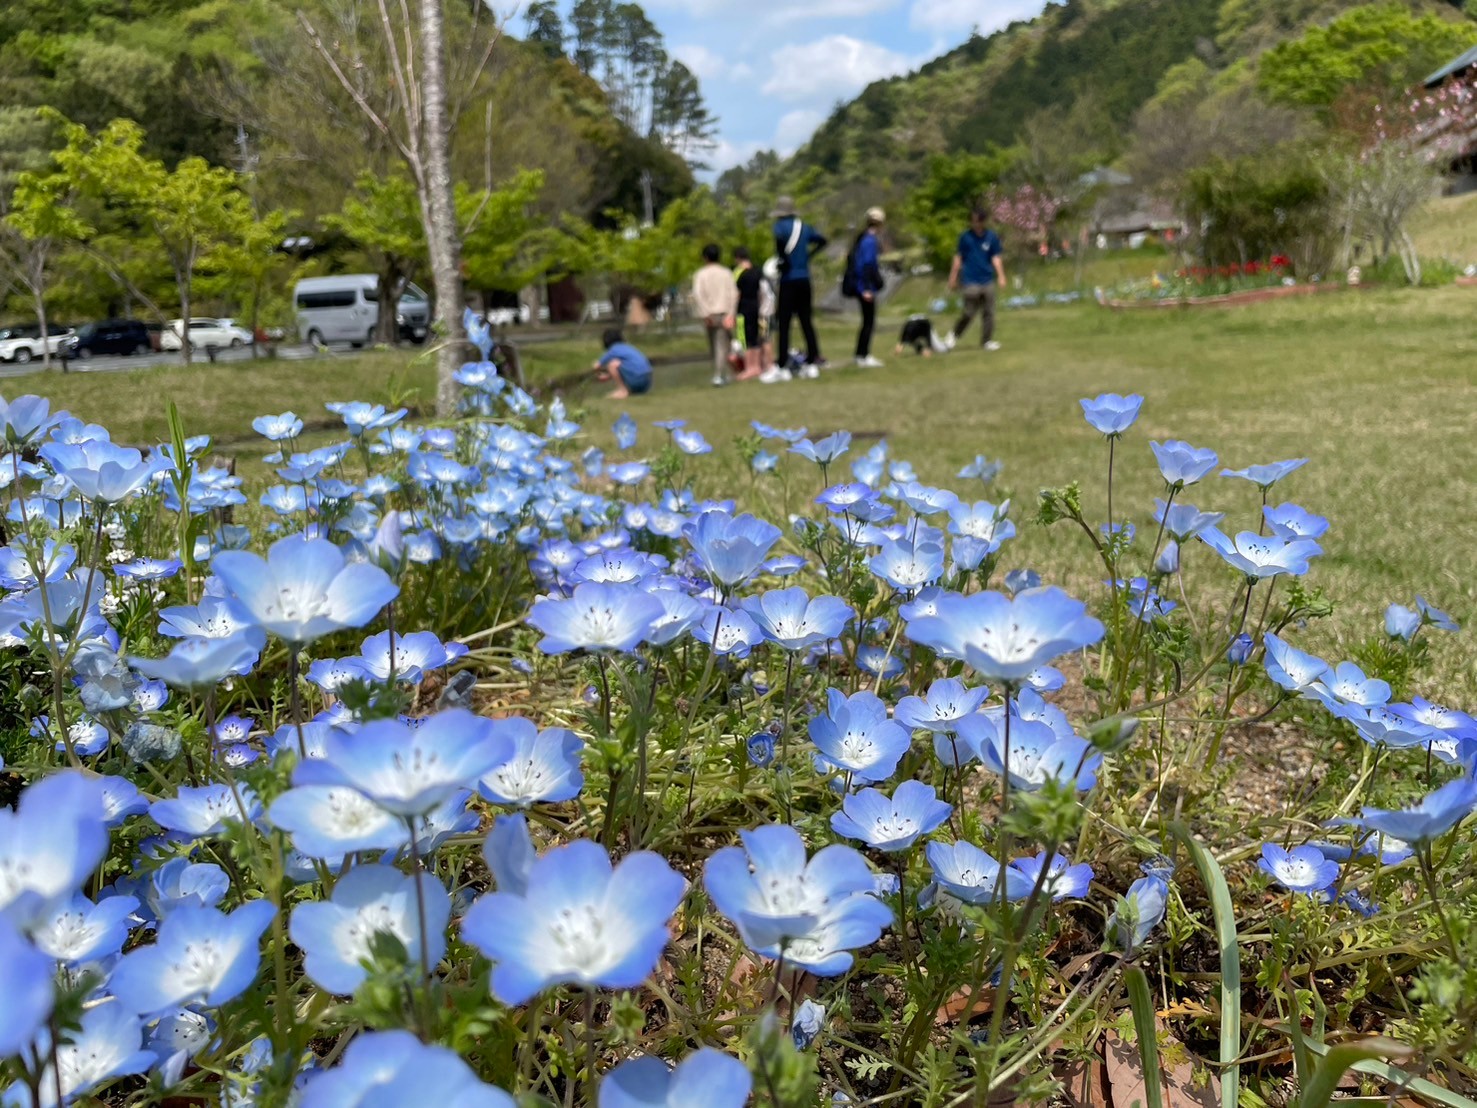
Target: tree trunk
pixel 184 307
pixel 386 330
pixel 41 321
pixel 438 207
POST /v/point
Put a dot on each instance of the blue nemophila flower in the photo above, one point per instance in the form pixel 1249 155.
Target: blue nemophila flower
pixel 200 812
pixel 669 425
pixel 201 956
pixel 1260 556
pixel 331 821
pixel 1401 622
pixel 108 1045
pixel 30 977
pixel 680 614
pixel 823 451
pixel 360 417
pixel 625 431
pixel 508 851
pixel 846 496
pixel 878 661
pixel 177 883
pixel 1019 580
pixel 890 823
pixel 968 874
pixel 925 500
pixel 80 931
pixel 1265 476
pixel 304 588
pixel 764 462
pixel 203 663
pixel 1290 667
pixel 1183 521
pixel 765 431
pixel 384 1068
pixel 760 749
pixel 410 770
pixel 1182 464
pixel 1138 912
pixel 16 570
pixel 812 911
pixel 410 657
pixel 947 701
pixel 983 521
pixel 579 922
pixel 1111 413
pixel 1435 616
pixel 276 428
pixel 1036 753
pixel 1347 682
pixel 807 1022
pixel 981 469
pixel 728 631
pixel 1168 562
pixel 707 1077
pixel 1292 522
pixel 1436 814
pixel 1303 869
pixel 120 799
pixel 692 442
pixel 1240 650
pixel 1063 880
pixel 795 621
pixel 856 736
pixel 148 569
pixel 595 617
pixel 628 474
pixel 337 936
pixel 908 564
pixel 1459 725
pixel 728 548
pixel 105 683
pixel 50 843
pixel 26 418
pixel 101 471
pixel 544 766
pixel 1006 638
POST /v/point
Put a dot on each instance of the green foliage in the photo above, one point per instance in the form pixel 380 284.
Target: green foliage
pixel 939 207
pixel 1378 48
pixel 1252 207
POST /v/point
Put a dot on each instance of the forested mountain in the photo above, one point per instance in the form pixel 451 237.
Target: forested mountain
pixel 1065 90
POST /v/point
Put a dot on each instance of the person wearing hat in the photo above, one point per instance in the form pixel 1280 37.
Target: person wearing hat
pixel 866 279
pixel 795 241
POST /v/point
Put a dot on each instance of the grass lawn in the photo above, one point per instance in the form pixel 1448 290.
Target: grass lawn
pixel 1376 387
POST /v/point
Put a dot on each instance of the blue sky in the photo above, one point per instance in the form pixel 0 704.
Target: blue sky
pixel 772 70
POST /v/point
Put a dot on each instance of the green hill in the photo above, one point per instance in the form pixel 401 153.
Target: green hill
pixel 1073 79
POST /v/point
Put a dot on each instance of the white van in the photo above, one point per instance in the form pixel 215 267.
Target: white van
pixel 346 309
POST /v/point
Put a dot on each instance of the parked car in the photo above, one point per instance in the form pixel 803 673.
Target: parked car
pixel 346 309
pixel 204 332
pixel 111 336
pixel 24 344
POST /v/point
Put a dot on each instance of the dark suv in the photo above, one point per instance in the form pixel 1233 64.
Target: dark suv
pixel 112 336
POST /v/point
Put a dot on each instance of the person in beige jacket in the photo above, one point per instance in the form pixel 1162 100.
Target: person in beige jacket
pixel 715 298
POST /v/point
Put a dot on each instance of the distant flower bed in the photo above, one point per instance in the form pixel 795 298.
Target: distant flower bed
pixel 515 758
pixel 1204 281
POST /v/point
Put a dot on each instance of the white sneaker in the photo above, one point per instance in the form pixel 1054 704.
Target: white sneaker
pixel 810 372
pixel 773 375
pixel 719 381
pixel 992 345
pixel 869 362
pixel 949 339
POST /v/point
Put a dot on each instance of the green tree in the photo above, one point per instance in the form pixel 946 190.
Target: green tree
pixel 939 208
pixel 1375 50
pixel 250 264
pixel 545 28
pixel 188 211
pixel 39 221
pixel 382 216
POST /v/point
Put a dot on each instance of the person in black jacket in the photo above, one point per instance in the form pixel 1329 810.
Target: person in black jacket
pixel 794 243
pixel 751 330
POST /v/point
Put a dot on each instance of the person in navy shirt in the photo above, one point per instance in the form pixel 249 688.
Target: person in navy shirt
pixel 624 364
pixel 794 243
pixel 977 272
pixel 867 276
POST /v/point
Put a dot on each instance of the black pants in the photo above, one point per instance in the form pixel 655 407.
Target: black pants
pixel 794 303
pixel 869 320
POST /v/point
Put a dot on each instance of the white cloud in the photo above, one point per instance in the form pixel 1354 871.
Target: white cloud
pixel 795 128
pixel 962 16
pixel 726 154
pixel 786 11
pixel 709 65
pixel 831 67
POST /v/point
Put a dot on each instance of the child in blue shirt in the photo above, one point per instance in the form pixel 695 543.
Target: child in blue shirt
pixel 623 363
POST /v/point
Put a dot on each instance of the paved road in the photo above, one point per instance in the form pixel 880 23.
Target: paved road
pixel 116 364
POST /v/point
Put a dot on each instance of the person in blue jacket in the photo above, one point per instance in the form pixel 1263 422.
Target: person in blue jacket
pixel 978 273
pixel 867 278
pixel 624 364
pixel 794 243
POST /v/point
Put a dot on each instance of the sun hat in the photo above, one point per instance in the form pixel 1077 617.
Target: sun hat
pixel 876 215
pixel 783 206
